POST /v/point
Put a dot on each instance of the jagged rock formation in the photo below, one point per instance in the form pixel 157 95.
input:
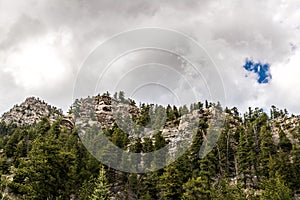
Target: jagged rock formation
pixel 30 112
pixel 100 109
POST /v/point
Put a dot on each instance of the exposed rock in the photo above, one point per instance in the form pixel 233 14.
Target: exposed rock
pixel 101 109
pixel 68 121
pixel 104 110
pixel 30 112
pixel 288 125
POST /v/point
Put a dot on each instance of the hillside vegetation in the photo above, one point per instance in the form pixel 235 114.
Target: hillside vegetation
pixel 42 156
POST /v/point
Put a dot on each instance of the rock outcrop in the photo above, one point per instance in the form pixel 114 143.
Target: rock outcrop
pixel 104 110
pixel 30 112
pixel 101 109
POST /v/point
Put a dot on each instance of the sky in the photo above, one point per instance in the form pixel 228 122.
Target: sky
pixel 254 46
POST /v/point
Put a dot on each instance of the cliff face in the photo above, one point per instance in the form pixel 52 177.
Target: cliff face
pixel 30 112
pixel 100 109
pixel 289 126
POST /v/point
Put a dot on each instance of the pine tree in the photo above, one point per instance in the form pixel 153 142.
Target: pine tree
pixel 119 138
pixel 121 97
pixel 275 189
pixel 47 171
pixel 201 186
pixel 176 112
pixel 147 196
pixel 183 110
pixel 170 113
pixel 43 126
pixel 245 157
pixel 280 165
pixel 295 154
pixel 170 184
pixel 147 148
pixel 208 167
pixel 144 118
pixel 196 145
pixel 134 184
pixel 267 149
pixel 206 104
pixel 86 190
pixel 102 187
pixel 226 150
pixel 284 142
pixel 136 148
pixel 226 190
pixel 193 189
pixel 159 143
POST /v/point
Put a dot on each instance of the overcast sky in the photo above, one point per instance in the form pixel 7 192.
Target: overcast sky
pixel 43 45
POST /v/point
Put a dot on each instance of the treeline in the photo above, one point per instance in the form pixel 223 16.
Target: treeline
pixel 48 161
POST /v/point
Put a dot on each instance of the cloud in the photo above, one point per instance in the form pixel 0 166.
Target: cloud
pixel 24 28
pixel 62 34
pixel 284 90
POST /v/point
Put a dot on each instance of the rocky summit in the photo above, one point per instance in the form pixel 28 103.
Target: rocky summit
pixel 30 112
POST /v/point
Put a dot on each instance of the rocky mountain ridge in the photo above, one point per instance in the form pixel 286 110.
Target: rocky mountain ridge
pixel 104 111
pixel 101 109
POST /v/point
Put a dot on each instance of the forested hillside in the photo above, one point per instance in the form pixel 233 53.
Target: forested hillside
pixel 256 156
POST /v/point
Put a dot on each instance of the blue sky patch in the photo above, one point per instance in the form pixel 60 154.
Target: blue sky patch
pixel 261 69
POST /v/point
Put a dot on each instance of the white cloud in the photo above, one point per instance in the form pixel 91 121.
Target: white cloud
pixel 43 43
pixel 284 90
pixel 36 65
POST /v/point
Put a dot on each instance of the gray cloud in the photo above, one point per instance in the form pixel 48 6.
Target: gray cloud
pixel 230 31
pixel 24 28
